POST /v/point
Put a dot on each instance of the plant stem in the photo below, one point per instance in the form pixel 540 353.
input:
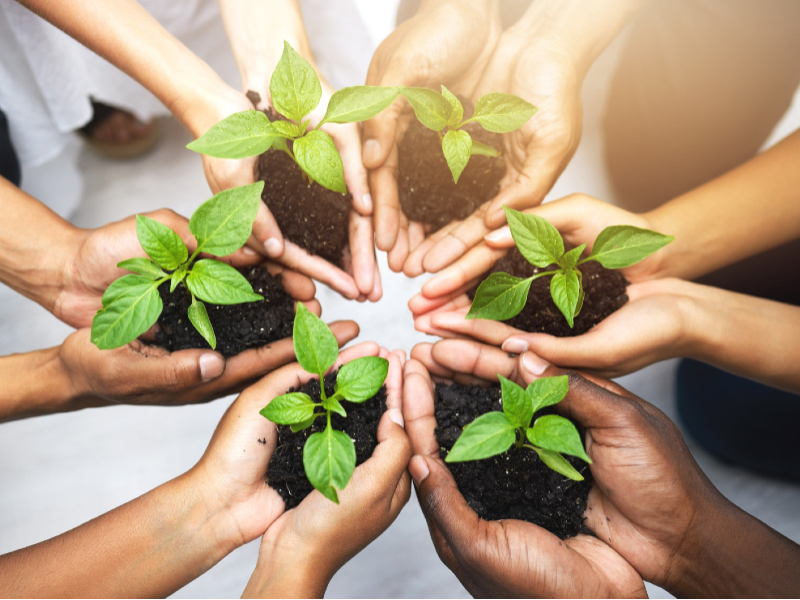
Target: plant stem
pixel 544 274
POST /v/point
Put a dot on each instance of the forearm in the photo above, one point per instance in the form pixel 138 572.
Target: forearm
pixel 748 210
pixel 752 337
pixel 149 547
pixel 126 35
pixel 34 245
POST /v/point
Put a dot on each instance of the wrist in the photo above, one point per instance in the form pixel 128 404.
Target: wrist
pixel 285 571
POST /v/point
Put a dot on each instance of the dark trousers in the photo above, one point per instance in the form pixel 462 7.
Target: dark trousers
pixel 9 165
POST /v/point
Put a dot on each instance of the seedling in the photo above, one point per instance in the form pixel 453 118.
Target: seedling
pixel 296 92
pixel 132 304
pixel 550 436
pixel 502 296
pixel 496 112
pixel 329 456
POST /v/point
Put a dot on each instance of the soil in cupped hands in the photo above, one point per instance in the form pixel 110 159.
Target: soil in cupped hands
pixel 286 473
pixel 238 327
pixel 424 181
pixel 515 484
pixel 604 289
pixel 311 216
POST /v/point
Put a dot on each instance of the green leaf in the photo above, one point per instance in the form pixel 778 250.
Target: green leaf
pixel 304 425
pixel 517 405
pixel 455 104
pixel 430 108
pixel 290 409
pixel 162 244
pixel 315 345
pixel 317 155
pixel 144 267
pixel 223 224
pixel 285 129
pixel 199 318
pixel 329 459
pixel 488 435
pixel 500 296
pixel 360 379
pixel 581 298
pixel 358 103
pixel 240 135
pixel 565 288
pixel 571 258
pixel 621 246
pixel 559 464
pixel 177 277
pixel 294 87
pixel 557 434
pixel 330 494
pixel 502 113
pixel 131 306
pixel 219 283
pixel 481 149
pixel 547 391
pixel 333 405
pixel 457 148
pixel 537 240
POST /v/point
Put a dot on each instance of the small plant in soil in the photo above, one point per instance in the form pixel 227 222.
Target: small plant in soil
pixel 296 92
pixel 549 436
pixel 502 296
pixel 329 456
pixel 444 113
pixel 132 303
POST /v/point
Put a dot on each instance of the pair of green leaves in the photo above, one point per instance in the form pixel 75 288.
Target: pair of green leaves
pixel 296 92
pixel 329 456
pixel 550 436
pixel 496 112
pixel 502 296
pixel 132 304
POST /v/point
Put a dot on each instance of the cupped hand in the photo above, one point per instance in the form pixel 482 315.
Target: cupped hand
pixel 508 558
pixel 448 42
pixel 303 549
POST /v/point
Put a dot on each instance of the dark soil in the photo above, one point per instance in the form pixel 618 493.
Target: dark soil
pixel 425 183
pixel 311 216
pixel 604 288
pixel 238 327
pixel 513 485
pixel 286 473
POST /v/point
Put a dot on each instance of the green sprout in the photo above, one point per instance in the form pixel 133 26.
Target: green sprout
pixel 495 112
pixel 296 92
pixel 502 296
pixel 132 304
pixel 329 456
pixel 550 436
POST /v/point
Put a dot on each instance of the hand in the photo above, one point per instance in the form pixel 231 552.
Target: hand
pixel 92 265
pixel 447 42
pixel 302 550
pixel 506 558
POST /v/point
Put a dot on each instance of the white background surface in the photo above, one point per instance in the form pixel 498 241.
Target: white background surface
pixel 59 471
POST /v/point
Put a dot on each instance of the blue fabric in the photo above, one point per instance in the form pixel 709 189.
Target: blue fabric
pixel 740 421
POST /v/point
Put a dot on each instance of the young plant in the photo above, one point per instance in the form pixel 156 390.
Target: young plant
pixel 296 92
pixel 496 112
pixel 502 296
pixel 132 304
pixel 329 456
pixel 550 436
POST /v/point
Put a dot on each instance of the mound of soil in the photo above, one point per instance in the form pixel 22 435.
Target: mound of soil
pixel 238 327
pixel 604 288
pixel 425 183
pixel 286 473
pixel 311 216
pixel 515 484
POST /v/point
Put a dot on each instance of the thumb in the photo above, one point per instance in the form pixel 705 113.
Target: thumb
pixel 584 351
pixel 180 370
pixel 380 134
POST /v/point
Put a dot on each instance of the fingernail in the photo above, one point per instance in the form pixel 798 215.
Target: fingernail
pixel 211 366
pixel 500 235
pixel 515 346
pixel 397 416
pixel 533 364
pixel 249 251
pixel 419 469
pixel 366 202
pixel 372 150
pixel 273 247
